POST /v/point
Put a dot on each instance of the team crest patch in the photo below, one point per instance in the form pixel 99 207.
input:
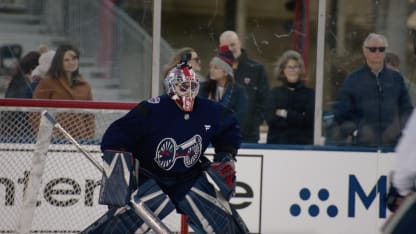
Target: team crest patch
pixel 154 100
pixel 247 80
pixel 168 152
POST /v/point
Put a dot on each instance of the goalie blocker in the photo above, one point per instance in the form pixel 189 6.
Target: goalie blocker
pixel 118 180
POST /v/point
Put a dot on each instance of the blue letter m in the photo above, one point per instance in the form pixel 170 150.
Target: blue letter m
pixel 355 188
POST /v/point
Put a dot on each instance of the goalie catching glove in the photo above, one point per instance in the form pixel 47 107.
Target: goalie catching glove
pixel 117 181
pixel 222 170
pixel 393 199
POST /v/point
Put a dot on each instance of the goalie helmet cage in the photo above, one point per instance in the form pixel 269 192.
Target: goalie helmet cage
pixel 61 193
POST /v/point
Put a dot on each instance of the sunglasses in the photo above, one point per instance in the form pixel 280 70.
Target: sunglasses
pixel 374 49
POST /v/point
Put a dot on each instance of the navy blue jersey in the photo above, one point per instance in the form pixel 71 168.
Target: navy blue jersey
pixel 170 142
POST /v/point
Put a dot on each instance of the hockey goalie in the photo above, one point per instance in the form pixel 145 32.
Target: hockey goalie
pixel 168 135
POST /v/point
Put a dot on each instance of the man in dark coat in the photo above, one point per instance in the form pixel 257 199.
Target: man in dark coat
pixel 252 76
pixel 373 104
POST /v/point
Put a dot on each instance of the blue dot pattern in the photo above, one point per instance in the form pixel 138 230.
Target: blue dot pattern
pixel 304 194
pixel 314 210
pixel 295 210
pixel 323 194
pixel 332 211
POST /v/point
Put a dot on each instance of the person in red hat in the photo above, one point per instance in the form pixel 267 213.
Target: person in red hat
pixel 221 86
pixel 252 76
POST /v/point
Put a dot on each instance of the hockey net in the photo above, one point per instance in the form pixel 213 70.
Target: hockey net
pixel 54 192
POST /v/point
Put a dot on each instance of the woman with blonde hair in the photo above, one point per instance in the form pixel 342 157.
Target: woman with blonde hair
pixel 290 107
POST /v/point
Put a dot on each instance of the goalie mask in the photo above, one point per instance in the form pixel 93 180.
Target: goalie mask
pixel 183 86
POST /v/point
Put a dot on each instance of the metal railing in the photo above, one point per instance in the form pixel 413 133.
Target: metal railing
pixel 112 43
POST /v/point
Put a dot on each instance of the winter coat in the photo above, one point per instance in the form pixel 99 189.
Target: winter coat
pixel 14 125
pixel 252 76
pixel 374 109
pixel 234 98
pixel 297 127
pixel 19 87
pixel 80 126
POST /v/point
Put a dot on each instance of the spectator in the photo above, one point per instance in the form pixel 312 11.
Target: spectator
pixel 393 62
pixel 45 61
pixel 19 86
pixel 373 104
pixel 16 123
pixel 64 82
pixel 290 107
pixel 194 61
pixel 221 86
pixel 252 76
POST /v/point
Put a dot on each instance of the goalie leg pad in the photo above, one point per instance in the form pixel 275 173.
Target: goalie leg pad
pixel 128 222
pixel 207 214
pixel 403 220
pixel 118 180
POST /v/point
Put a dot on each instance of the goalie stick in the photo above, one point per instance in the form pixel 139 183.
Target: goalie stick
pixel 139 207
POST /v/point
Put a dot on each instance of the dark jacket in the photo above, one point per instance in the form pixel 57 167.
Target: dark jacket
pixel 373 109
pixel 252 76
pixel 297 128
pixel 19 87
pixel 234 98
pixel 14 125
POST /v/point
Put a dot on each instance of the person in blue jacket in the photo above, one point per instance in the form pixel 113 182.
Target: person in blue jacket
pixel 373 104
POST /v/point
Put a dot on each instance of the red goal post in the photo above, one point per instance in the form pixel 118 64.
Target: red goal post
pixel 61 192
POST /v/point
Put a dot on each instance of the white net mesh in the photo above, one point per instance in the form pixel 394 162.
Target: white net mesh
pixel 67 197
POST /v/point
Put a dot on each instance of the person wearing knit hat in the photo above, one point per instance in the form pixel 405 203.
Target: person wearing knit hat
pixel 253 77
pixel 221 86
pixel 224 60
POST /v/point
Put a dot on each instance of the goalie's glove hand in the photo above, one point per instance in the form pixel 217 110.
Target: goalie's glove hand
pixel 394 199
pixel 226 170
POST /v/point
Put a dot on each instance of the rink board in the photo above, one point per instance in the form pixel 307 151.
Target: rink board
pixel 279 191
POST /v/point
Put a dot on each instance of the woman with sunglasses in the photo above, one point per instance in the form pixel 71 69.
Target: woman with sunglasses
pixel 373 104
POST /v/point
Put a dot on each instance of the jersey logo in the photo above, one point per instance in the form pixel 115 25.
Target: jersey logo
pixel 207 127
pixel 168 152
pixel 154 100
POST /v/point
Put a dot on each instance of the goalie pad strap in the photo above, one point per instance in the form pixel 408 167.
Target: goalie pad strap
pixel 223 156
pixel 117 181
